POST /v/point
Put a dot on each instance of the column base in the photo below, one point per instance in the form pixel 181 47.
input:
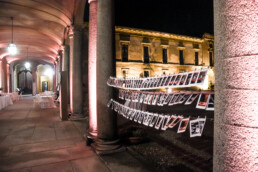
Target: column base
pixel 102 147
pixel 90 137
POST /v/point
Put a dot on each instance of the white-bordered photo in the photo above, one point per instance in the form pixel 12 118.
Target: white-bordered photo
pixel 181 96
pixel 145 101
pixel 163 81
pixel 164 97
pixel 129 113
pixel 183 125
pixel 151 95
pixel 160 81
pixel 196 127
pixel 191 98
pixel 137 115
pixel 168 80
pixel 109 105
pixel 194 78
pixel 146 83
pixel 145 119
pixel 202 76
pixel 154 120
pixel 210 104
pixel 176 82
pixel 159 122
pixel 133 115
pixel 150 117
pixel 172 80
pixel 169 97
pixel 173 99
pixel 140 119
pixel 175 122
pixel 165 122
pixel 155 98
pixel 182 80
pixel 171 120
pixel 202 101
pixel 184 98
pixel 143 95
pixel 157 79
pixel 188 78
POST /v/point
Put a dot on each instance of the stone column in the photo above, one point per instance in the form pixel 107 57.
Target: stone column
pixel 236 98
pixel 54 77
pixel 34 81
pixel 65 67
pixel 8 77
pixel 92 68
pixel 75 70
pixel 107 141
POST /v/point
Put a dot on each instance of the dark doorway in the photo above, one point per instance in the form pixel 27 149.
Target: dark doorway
pixel 25 81
pixel 44 86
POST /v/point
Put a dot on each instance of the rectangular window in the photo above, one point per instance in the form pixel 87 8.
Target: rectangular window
pixel 181 57
pixel 146 54
pixel 196 54
pixel 124 53
pixel 211 59
pixel 165 55
pixel 146 73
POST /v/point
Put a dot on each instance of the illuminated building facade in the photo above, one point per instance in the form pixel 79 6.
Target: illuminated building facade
pixel 143 53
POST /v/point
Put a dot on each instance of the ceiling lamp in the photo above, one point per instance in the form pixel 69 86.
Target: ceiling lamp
pixel 12 49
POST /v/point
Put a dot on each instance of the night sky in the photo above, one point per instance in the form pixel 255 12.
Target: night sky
pixel 185 17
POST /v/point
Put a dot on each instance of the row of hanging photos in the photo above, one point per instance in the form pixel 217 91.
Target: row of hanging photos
pixel 160 121
pixel 185 79
pixel 205 100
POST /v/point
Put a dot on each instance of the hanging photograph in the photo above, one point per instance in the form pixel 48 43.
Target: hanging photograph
pixel 171 120
pixel 191 99
pixel 169 97
pixel 202 123
pixel 140 119
pixel 175 122
pixel 171 82
pixel 164 81
pixel 137 115
pixel 133 115
pixel 146 98
pixel 155 98
pixel 177 80
pixel 202 101
pixel 165 122
pixel 194 128
pixel 150 117
pixel 157 80
pixel 167 81
pixel 210 104
pixel 177 101
pixel 183 125
pixel 142 97
pixel 129 113
pixel 154 120
pixel 182 80
pixel 152 83
pixel 184 98
pixel 194 78
pixel 151 95
pixel 109 105
pixel 159 122
pixel 145 119
pixel 201 77
pixel 173 99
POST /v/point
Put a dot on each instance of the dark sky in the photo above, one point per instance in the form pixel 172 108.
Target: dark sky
pixel 185 17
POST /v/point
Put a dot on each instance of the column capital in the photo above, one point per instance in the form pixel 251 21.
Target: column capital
pixel 73 29
pixel 92 1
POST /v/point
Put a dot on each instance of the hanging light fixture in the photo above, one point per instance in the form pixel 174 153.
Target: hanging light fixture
pixel 12 49
pixel 27 64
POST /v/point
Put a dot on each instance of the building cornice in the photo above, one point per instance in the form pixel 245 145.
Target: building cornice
pixel 142 32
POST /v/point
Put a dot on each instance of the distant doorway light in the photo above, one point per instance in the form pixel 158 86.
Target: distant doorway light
pixel 49 72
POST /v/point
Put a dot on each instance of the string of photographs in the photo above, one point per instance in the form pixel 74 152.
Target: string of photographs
pixel 185 79
pixel 205 101
pixel 159 121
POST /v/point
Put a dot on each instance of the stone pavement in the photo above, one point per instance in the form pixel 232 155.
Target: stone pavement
pixel 34 140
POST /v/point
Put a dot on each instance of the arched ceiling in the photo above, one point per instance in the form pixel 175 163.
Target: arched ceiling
pixel 39 25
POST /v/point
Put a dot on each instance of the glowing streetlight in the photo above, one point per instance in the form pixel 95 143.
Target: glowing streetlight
pixel 27 65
